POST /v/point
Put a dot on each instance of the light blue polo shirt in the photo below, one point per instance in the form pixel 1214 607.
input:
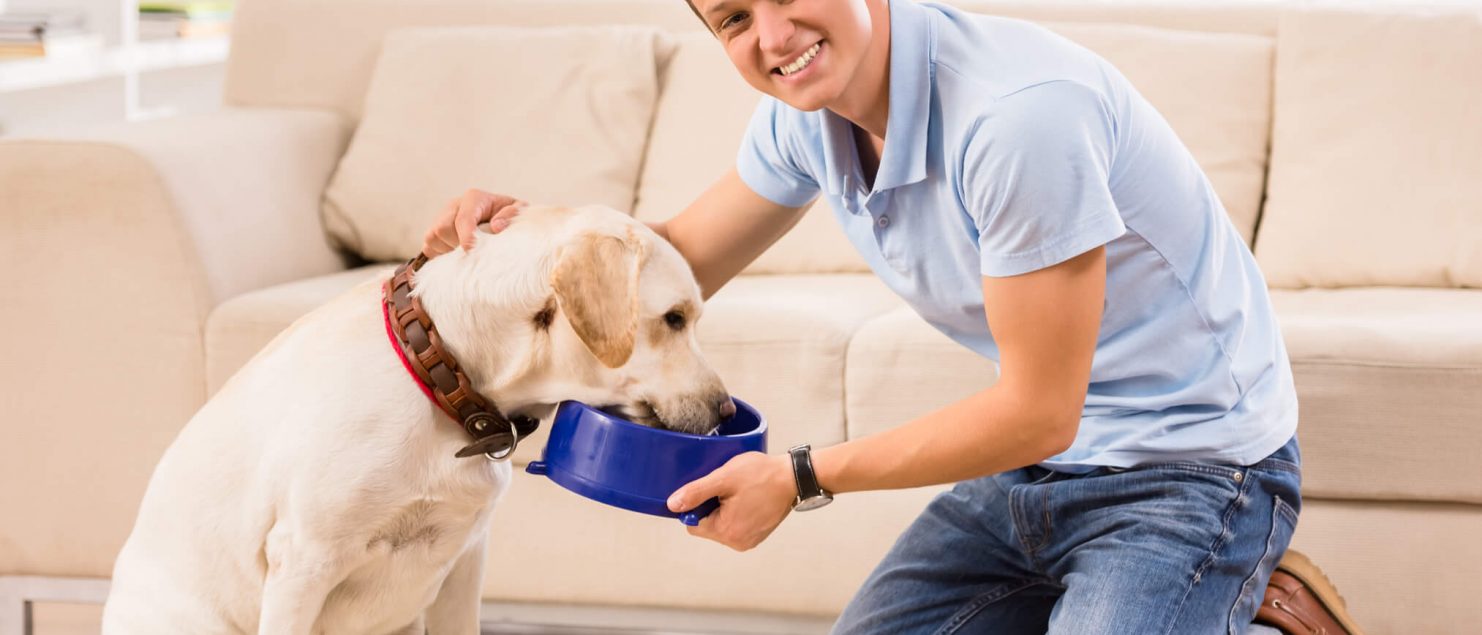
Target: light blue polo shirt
pixel 1009 149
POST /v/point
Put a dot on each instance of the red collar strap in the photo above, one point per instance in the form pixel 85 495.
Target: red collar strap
pixel 420 348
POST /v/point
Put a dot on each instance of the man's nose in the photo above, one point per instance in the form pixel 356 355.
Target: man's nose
pixel 775 30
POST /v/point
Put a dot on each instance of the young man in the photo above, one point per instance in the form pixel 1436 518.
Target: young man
pixel 1135 468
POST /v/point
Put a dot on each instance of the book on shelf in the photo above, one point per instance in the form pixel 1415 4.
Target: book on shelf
pixel 190 19
pixel 52 46
pixel 31 35
pixel 188 7
pixel 38 24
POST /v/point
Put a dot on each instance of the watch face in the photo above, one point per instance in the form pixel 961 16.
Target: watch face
pixel 812 502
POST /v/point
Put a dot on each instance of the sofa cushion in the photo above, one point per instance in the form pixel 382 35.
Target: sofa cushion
pixel 1257 17
pixel 1389 383
pixel 548 545
pixel 240 327
pixel 554 116
pixel 1214 89
pixel 280 56
pixel 778 342
pixel 1376 150
pixel 901 368
pixel 701 116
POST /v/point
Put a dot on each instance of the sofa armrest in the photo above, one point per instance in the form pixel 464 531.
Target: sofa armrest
pixel 243 187
pixel 115 245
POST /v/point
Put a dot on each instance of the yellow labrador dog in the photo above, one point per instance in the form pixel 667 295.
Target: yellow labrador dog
pixel 318 492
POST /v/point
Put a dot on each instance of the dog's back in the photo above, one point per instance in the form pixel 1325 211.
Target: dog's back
pixel 293 428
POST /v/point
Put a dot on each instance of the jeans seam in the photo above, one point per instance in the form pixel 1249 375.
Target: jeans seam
pixel 1016 512
pixel 1217 470
pixel 1277 504
pixel 1277 465
pixel 1214 550
pixel 977 604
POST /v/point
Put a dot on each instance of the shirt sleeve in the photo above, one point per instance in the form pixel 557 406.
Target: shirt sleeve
pixel 1036 178
pixel 769 161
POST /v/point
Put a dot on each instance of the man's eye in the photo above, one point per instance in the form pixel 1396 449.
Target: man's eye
pixel 734 19
pixel 674 319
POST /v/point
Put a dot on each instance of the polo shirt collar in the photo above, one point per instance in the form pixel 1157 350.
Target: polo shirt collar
pixel 912 71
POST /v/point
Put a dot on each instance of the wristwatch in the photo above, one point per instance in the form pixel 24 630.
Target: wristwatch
pixel 810 495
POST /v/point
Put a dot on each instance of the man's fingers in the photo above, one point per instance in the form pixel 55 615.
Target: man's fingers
pixel 502 218
pixel 706 528
pixel 470 213
pixel 698 491
pixel 510 210
pixel 435 243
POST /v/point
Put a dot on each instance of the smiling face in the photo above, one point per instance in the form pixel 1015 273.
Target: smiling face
pixel 807 53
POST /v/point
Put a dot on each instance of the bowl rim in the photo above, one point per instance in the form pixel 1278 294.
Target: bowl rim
pixel 587 410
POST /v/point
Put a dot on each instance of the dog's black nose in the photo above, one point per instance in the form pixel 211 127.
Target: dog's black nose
pixel 727 408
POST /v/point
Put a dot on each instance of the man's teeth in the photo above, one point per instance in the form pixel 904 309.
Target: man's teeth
pixel 802 60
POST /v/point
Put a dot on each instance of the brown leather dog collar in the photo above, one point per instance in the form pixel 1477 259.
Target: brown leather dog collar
pixel 421 350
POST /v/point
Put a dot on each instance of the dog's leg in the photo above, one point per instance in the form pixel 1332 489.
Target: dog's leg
pixel 456 609
pixel 302 571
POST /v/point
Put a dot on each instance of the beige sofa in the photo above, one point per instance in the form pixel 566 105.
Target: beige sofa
pixel 147 262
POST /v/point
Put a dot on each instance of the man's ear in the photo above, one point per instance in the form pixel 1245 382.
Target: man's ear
pixel 596 285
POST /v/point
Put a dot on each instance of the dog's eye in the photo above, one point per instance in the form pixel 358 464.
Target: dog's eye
pixel 544 317
pixel 674 319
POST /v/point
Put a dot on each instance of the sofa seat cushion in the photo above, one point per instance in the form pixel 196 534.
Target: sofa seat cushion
pixel 778 342
pixel 901 368
pixel 548 545
pixel 1389 381
pixel 242 326
pixel 1390 386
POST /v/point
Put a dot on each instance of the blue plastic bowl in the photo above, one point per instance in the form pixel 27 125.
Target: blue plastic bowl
pixel 614 461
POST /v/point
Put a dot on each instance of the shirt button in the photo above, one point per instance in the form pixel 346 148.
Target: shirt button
pixel 883 222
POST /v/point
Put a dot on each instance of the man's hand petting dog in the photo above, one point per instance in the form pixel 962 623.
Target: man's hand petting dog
pixel 756 492
pixel 461 217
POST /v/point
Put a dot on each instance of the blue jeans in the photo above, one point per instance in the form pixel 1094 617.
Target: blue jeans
pixel 1168 548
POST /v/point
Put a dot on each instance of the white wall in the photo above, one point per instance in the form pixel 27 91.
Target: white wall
pixel 33 112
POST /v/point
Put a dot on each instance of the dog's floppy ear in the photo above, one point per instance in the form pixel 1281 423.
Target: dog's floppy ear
pixel 596 285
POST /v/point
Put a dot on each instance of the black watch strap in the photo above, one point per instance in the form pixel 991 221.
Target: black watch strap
pixel 802 471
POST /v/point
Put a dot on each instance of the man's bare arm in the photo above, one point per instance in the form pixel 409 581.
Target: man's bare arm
pixel 725 229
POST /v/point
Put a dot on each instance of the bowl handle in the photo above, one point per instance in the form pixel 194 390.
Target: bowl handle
pixel 693 516
pixel 536 467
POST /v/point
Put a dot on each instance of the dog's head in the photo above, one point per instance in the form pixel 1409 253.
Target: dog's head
pixel 578 303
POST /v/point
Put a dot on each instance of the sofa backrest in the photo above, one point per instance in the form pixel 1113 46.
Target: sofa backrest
pixel 1213 88
pixel 320 53
pixel 1376 159
pixel 1207 68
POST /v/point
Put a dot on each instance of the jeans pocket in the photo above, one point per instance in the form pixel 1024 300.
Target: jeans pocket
pixel 1253 591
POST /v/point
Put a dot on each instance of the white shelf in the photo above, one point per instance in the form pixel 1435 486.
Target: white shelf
pixel 121 61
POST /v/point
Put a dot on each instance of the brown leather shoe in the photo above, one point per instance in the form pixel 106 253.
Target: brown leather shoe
pixel 1300 600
